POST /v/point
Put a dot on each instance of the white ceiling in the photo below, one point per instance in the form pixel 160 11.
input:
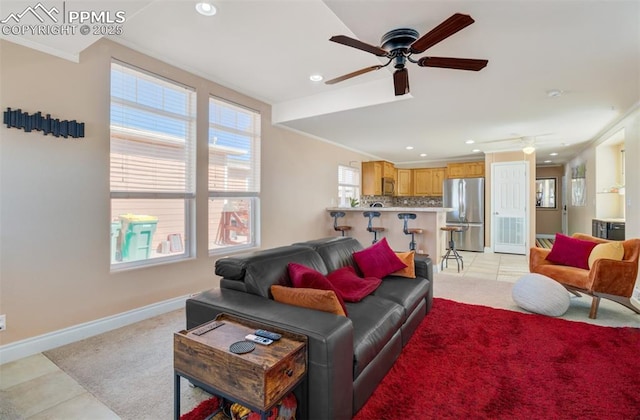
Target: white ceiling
pixel 267 49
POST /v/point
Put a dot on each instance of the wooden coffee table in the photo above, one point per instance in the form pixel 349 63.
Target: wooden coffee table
pixel 258 380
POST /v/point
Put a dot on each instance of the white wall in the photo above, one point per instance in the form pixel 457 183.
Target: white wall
pixel 580 217
pixel 54 203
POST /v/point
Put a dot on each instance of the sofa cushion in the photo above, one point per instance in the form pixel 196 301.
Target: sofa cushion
pixel 321 300
pixel 378 260
pixel 304 277
pixel 375 321
pixel 404 291
pixel 261 269
pixel 336 251
pixel 410 270
pixel 571 251
pixel 350 286
pixel 610 251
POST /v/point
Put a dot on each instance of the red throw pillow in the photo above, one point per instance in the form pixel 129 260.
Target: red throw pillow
pixel 351 287
pixel 571 251
pixel 308 278
pixel 378 260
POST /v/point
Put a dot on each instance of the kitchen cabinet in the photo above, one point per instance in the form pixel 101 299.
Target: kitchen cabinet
pixel 372 178
pixel 438 175
pixel 428 181
pixel 388 170
pixel 404 182
pixel 372 174
pixel 465 170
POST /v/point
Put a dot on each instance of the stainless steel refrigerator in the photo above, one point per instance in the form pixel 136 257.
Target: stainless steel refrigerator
pixel 466 197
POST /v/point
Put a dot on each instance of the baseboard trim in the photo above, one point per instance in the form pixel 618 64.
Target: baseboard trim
pixel 48 341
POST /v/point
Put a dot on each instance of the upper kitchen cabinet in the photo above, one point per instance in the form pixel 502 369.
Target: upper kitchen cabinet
pixel 388 170
pixel 404 182
pixel 466 170
pixel 428 181
pixel 372 174
pixel 372 178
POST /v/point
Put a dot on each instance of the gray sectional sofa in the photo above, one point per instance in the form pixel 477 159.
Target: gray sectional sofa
pixel 347 356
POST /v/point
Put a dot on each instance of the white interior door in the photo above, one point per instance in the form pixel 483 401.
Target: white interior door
pixel 510 202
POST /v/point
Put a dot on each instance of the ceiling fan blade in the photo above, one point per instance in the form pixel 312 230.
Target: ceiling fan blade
pixel 447 28
pixel 401 81
pixel 352 74
pixel 453 63
pixel 351 42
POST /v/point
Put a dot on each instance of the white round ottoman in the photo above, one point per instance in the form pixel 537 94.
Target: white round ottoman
pixel 541 295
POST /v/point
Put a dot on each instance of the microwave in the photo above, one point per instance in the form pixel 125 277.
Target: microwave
pixel 388 186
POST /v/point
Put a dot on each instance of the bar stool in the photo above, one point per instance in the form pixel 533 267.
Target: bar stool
pixel 370 227
pixel 452 252
pixel 336 227
pixel 410 231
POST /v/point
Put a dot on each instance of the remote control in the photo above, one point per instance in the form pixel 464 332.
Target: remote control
pixel 210 326
pixel 268 334
pixel 259 340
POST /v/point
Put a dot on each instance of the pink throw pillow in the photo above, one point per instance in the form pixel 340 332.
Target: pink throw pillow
pixel 378 260
pixel 351 287
pixel 571 251
pixel 308 278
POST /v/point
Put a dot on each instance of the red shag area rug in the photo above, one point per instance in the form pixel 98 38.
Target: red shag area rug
pixel 475 362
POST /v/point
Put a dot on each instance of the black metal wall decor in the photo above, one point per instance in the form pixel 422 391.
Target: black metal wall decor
pixel 28 122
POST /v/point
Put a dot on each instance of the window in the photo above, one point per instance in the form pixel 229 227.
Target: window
pixel 234 176
pixel 152 172
pixel 348 185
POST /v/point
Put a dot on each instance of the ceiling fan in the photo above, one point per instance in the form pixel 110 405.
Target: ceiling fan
pixel 399 46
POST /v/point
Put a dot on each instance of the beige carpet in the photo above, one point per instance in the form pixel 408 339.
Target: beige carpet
pixel 131 369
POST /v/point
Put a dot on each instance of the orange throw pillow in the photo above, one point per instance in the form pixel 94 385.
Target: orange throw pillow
pixel 410 270
pixel 321 300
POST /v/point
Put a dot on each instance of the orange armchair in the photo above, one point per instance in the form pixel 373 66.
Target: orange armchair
pixel 609 279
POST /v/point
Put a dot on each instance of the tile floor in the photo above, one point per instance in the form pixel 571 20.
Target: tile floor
pixel 35 388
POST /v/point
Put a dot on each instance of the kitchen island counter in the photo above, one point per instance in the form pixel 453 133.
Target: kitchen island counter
pixel 394 209
pixel 430 219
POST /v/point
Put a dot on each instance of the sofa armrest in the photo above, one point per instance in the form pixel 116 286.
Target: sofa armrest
pixel 537 257
pixel 329 385
pixel 613 277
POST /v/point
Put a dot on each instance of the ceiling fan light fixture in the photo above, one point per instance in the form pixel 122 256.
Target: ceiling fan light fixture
pixel 528 150
pixel 316 77
pixel 205 8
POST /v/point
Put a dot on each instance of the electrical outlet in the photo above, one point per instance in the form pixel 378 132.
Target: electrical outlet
pixel 3 322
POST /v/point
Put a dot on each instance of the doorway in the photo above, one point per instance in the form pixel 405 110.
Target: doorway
pixel 510 203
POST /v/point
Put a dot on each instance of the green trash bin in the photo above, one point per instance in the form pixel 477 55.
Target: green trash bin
pixel 115 234
pixel 137 235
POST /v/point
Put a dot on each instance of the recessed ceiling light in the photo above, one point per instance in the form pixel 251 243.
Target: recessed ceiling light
pixel 316 77
pixel 476 150
pixel 206 8
pixel 548 161
pixel 553 154
pixel 423 154
pixel 409 147
pixel 469 141
pixel 554 93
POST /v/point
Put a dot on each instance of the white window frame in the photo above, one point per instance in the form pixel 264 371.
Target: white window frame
pixel 253 192
pixel 188 195
pixel 343 184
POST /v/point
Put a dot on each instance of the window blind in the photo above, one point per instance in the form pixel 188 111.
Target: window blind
pixel 348 176
pixel 152 134
pixel 234 149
